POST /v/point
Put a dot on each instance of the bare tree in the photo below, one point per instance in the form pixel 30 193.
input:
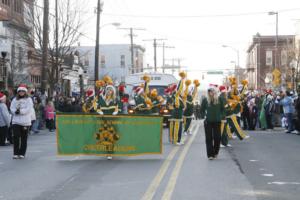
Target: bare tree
pixel 293 59
pixel 69 23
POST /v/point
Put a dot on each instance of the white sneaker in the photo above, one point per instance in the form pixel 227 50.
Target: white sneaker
pixel 185 134
pixel 15 157
pixel 210 158
pixel 229 145
pixel 109 157
pixel 247 136
pixel 21 157
pixel 178 143
pixel 295 132
pixel 234 137
pixel 222 146
pixel 190 133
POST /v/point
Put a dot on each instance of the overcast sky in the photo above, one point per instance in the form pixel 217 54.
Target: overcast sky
pixel 197 28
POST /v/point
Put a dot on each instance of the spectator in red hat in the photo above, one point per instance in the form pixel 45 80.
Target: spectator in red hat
pixel 4 119
pixel 21 108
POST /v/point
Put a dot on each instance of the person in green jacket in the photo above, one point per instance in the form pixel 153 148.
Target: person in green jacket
pixel 108 105
pixel 142 102
pixel 212 108
pixel 177 113
pixel 188 114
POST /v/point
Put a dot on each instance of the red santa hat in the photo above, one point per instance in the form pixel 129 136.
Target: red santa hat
pixel 167 90
pixel 213 87
pixel 2 96
pixel 223 88
pixel 269 91
pixel 89 93
pixel 122 88
pixel 124 100
pixel 22 87
pixel 173 88
pixel 139 90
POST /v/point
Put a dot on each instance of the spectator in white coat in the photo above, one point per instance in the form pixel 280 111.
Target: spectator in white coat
pixel 21 108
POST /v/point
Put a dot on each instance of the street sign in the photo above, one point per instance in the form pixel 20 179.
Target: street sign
pixel 215 72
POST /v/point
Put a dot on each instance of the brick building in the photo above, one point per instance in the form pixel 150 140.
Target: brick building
pixel 261 60
pixel 16 42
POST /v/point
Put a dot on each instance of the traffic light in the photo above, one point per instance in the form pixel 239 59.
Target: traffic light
pixel 276 77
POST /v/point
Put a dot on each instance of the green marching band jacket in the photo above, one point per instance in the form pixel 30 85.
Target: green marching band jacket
pixel 170 102
pixel 107 107
pixel 189 109
pixel 155 106
pixel 178 111
pixel 213 113
pixel 141 106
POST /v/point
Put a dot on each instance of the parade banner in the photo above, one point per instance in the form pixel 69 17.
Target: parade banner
pixel 92 134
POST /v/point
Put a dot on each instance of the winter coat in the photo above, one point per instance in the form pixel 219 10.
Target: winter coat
pixel 25 105
pixel 214 112
pixel 5 117
pixel 49 112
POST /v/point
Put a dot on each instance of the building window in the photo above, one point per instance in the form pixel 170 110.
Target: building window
pixel 122 61
pixel 283 57
pixel 18 6
pixel 35 79
pixel 6 2
pixel 269 58
pixel 21 54
pixel 103 61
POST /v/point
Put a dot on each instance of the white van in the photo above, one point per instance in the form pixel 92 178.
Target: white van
pixel 158 81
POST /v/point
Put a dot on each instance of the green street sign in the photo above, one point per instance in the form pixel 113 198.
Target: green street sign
pixel 215 72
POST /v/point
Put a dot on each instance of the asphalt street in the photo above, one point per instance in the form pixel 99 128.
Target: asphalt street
pixel 271 162
pixel 265 166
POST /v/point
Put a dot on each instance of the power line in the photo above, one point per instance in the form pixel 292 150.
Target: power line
pixel 200 16
pixel 53 15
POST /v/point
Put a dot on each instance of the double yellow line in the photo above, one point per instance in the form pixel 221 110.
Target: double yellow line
pixel 164 168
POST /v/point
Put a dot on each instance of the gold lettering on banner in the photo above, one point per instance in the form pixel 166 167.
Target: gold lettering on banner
pixel 95 147
pixel 116 122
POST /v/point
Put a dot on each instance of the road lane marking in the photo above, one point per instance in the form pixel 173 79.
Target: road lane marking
pixel 268 175
pixel 173 179
pixel 159 176
pixel 253 160
pixel 283 183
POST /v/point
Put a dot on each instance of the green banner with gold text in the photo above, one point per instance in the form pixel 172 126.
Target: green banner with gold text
pixel 92 134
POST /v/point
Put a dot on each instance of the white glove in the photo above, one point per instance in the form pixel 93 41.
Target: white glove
pixel 115 113
pixel 100 113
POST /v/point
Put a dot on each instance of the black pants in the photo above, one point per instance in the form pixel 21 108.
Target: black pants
pixel 20 134
pixel 3 135
pixel 245 119
pixel 269 122
pixel 50 124
pixel 253 122
pixel 212 138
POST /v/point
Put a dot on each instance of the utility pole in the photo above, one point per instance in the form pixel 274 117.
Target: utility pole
pixel 155 46
pixel 131 35
pixel 45 44
pixel 96 69
pixel 132 51
pixel 164 47
pixel 56 42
